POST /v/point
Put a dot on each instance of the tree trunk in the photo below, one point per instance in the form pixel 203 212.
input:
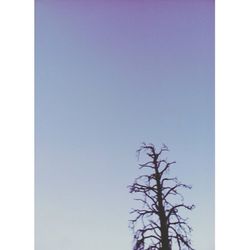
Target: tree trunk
pixel 162 215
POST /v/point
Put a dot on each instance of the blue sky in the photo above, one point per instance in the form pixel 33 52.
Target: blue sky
pixel 110 75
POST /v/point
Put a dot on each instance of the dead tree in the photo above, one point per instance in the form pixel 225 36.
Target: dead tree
pixel 158 224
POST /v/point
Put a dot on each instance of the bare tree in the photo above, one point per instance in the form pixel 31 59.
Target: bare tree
pixel 158 224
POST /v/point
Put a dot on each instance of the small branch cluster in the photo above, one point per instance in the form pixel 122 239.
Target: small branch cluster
pixel 158 224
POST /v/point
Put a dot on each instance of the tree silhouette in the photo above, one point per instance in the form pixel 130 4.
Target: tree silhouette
pixel 158 224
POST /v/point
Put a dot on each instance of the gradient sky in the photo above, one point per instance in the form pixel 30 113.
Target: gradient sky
pixel 110 75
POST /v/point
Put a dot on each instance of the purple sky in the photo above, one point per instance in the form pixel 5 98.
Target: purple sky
pixel 110 75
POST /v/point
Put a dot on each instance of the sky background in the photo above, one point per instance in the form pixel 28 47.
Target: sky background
pixel 110 75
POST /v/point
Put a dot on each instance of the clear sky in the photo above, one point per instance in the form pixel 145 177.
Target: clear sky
pixel 110 75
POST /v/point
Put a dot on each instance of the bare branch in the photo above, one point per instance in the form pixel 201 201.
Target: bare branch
pixel 158 224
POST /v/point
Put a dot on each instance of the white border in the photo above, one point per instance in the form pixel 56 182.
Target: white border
pixel 16 125
pixel 232 124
